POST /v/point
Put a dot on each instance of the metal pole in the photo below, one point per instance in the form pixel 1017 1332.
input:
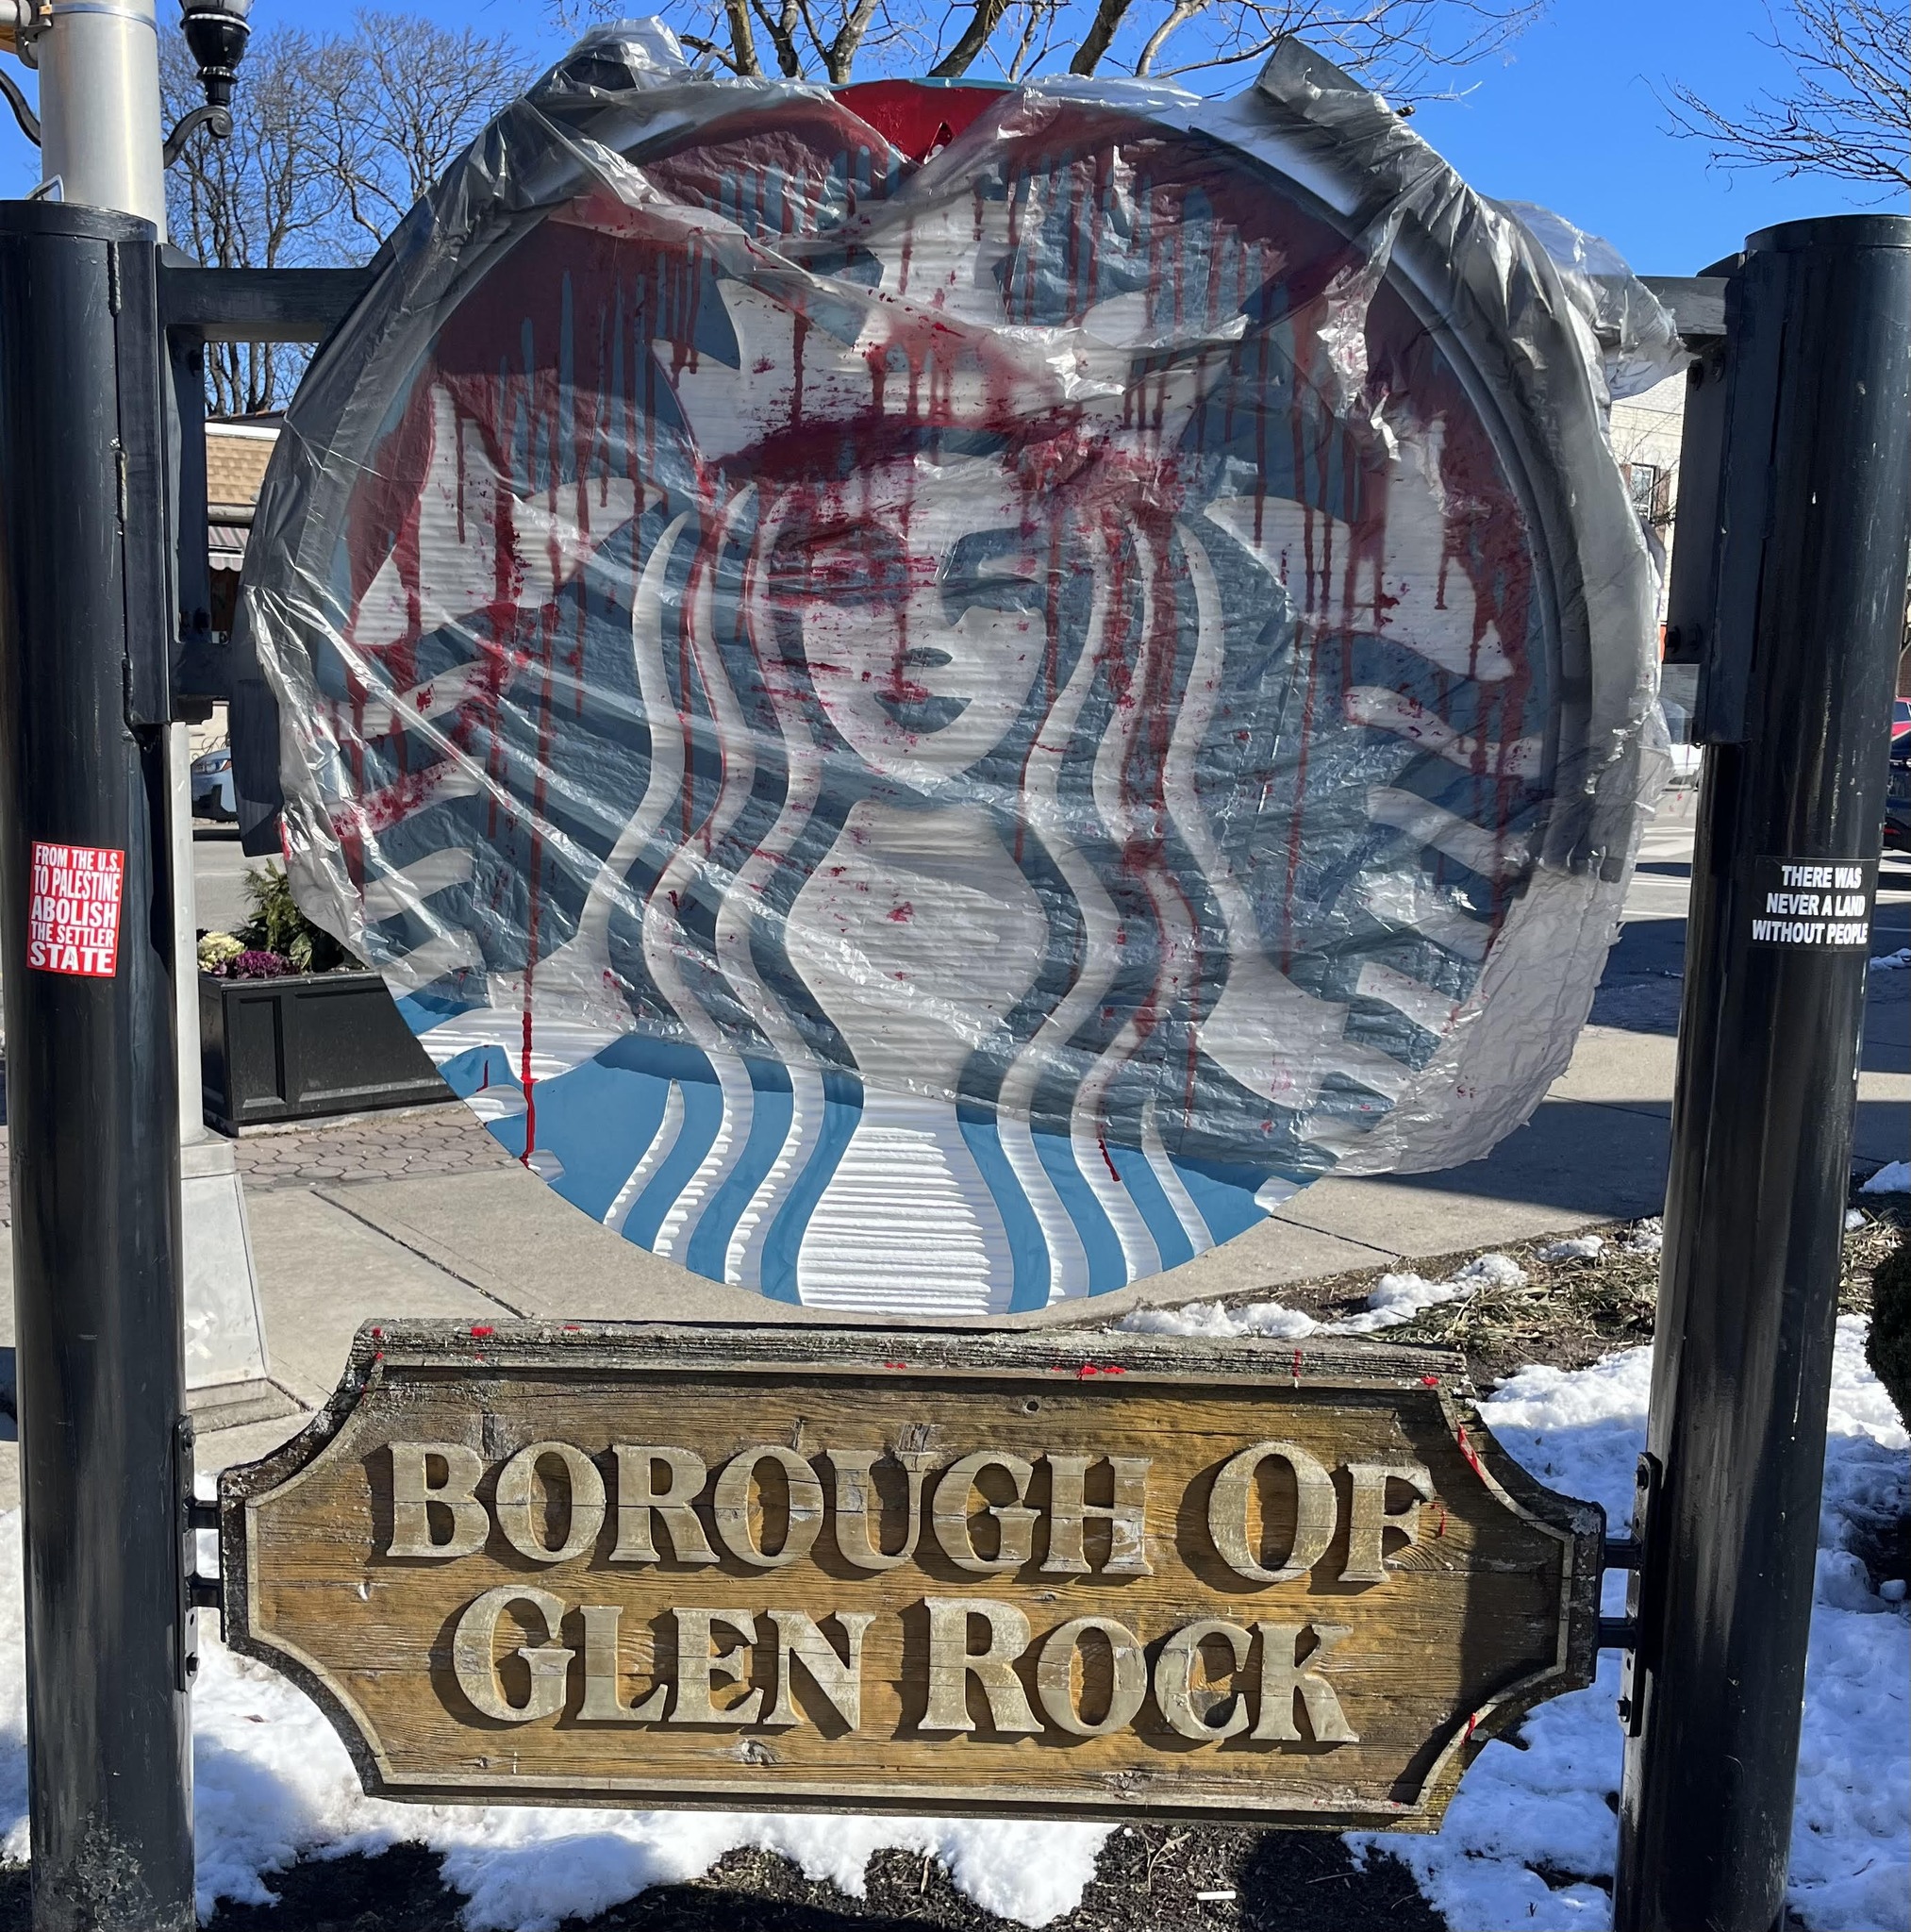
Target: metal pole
pixel 91 1106
pixel 99 107
pixel 1812 541
pixel 102 141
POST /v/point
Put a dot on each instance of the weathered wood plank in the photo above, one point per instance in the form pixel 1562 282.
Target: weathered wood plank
pixel 1081 1574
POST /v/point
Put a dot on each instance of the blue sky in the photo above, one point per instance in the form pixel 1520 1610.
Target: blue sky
pixel 1568 118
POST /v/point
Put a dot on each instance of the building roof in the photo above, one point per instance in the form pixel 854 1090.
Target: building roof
pixel 236 455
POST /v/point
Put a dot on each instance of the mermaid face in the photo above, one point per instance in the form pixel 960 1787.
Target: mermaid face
pixel 917 596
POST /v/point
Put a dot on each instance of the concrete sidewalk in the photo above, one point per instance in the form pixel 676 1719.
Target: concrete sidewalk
pixel 424 1215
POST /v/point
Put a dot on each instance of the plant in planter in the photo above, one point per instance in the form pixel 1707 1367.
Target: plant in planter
pixel 277 940
pixel 292 1027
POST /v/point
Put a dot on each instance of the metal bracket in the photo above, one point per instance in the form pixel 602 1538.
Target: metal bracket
pixel 222 305
pixel 188 1624
pixel 1620 1553
pixel 1646 1487
pixel 28 120
pixel 217 120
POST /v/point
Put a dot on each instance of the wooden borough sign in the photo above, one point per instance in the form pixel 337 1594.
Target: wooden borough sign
pixel 923 1571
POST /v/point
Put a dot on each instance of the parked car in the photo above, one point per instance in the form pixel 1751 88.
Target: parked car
pixel 1686 757
pixel 1898 788
pixel 212 793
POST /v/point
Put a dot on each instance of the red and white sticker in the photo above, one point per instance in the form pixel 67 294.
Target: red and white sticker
pixel 73 913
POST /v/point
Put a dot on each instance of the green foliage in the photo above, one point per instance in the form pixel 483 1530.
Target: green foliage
pixel 277 925
pixel 1889 1347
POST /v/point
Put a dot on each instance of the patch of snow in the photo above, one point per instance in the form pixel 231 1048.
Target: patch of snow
pixel 1899 961
pixel 1214 1323
pixel 1577 1247
pixel 1395 1299
pixel 1894 1178
pixel 1546 1806
pixel 1853 1219
pixel 1644 1237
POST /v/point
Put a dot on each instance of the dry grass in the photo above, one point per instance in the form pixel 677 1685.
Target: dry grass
pixel 1568 1312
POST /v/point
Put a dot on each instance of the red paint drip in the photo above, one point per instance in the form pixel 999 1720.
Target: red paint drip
pixel 1467 1450
pixel 484 1331
pixel 1442 1529
pixel 1431 1381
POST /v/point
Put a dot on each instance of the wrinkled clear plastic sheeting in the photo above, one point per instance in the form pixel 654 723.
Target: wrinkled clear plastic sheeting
pixel 934 698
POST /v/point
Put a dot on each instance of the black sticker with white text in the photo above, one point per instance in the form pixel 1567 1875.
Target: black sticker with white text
pixel 1821 904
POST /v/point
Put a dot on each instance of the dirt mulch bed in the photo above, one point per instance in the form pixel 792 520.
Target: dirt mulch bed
pixel 1147 1881
pixel 1570 1311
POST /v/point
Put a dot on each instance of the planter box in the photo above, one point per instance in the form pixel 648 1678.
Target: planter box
pixel 306 1046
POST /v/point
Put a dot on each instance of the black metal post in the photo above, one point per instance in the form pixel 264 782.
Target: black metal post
pixel 91 1079
pixel 1812 538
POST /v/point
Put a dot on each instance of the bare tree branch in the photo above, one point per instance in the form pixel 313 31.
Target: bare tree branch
pixel 1106 23
pixel 984 18
pixel 1183 11
pixel 333 139
pixel 742 39
pixel 840 56
pixel 1409 49
pixel 1847 112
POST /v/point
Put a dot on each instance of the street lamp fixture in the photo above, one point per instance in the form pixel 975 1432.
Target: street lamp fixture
pixel 216 31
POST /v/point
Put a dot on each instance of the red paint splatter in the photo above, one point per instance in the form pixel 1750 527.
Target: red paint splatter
pixel 484 1331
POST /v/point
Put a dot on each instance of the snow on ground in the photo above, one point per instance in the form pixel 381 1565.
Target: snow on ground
pixel 1549 1806
pixel 1396 1299
pixel 273 1782
pixel 1892 1178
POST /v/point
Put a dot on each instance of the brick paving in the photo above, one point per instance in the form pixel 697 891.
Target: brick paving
pixel 372 1147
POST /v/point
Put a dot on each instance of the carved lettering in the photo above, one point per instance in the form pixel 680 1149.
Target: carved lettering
pixel 520 1511
pixel 1175 1678
pixel 639 1500
pixel 840 1678
pixel 474 1655
pixel 952 1663
pixel 1055 1676
pixel 802 1523
pixel 1314 1512
pixel 1126 1516
pixel 860 1509
pixel 1369 1519
pixel 1282 1678
pixel 413 1492
pixel 699 1671
pixel 602 1700
pixel 1014 1522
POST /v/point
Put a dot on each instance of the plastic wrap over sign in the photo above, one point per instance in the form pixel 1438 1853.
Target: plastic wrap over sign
pixel 932 698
